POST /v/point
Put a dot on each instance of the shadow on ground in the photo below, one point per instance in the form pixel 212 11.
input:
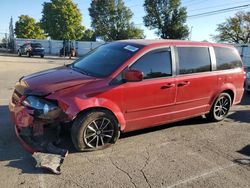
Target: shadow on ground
pixel 244 161
pixel 246 99
pixel 10 149
pixel 242 116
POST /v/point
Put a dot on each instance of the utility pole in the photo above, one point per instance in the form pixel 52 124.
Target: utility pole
pixel 190 34
pixel 11 35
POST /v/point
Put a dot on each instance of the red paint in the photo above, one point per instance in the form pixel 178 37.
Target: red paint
pixel 141 104
pixel 24 144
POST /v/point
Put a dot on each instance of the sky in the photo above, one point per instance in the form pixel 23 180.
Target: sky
pixel 201 27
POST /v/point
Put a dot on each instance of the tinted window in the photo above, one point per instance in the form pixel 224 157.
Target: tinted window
pixel 104 60
pixel 155 64
pixel 36 45
pixel 193 59
pixel 227 58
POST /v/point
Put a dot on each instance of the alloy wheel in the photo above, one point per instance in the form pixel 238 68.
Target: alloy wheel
pixel 99 133
pixel 222 107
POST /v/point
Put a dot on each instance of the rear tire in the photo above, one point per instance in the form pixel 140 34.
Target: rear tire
pixel 29 54
pixel 94 130
pixel 42 56
pixel 220 108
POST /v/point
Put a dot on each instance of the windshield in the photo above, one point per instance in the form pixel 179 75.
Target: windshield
pixel 104 60
pixel 36 45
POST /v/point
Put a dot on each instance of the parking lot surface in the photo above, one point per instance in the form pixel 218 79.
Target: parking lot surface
pixel 191 153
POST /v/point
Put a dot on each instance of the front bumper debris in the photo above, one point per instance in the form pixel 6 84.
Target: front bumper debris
pixel 52 160
pixel 49 161
pixel 38 137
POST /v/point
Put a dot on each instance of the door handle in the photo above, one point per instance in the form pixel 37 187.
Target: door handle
pixel 169 85
pixel 185 83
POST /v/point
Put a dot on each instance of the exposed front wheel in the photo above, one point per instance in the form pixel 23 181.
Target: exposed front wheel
pixel 94 130
pixel 220 107
pixel 19 53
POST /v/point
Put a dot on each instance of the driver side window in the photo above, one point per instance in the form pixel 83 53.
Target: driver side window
pixel 155 64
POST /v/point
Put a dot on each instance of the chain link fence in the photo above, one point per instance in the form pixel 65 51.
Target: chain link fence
pixel 244 50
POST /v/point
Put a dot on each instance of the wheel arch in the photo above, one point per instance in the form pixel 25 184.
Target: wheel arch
pixel 79 106
pixel 98 108
pixel 229 89
pixel 231 93
pixel 226 88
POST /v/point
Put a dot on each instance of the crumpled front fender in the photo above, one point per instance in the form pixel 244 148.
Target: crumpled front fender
pixel 73 107
pixel 20 116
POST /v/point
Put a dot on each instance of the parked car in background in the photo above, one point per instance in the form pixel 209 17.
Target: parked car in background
pixel 128 85
pixel 31 49
pixel 244 50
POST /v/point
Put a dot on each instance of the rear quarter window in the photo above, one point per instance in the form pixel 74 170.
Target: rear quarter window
pixel 227 58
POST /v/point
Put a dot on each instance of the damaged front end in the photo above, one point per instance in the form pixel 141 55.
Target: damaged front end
pixel 38 125
pixel 39 111
pixel 37 120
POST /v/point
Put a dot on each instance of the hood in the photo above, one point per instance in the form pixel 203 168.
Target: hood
pixel 52 80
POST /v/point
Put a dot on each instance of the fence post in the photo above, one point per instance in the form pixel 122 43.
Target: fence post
pixel 50 47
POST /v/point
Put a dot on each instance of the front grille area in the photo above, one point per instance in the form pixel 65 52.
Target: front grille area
pixel 16 97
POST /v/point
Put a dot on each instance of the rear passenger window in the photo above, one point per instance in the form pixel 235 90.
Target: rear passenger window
pixel 155 64
pixel 227 58
pixel 193 60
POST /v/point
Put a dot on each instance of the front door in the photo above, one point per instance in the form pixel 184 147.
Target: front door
pixel 150 102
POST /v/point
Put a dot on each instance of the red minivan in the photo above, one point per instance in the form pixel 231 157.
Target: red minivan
pixel 124 86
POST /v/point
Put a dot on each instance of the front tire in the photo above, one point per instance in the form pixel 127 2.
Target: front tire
pixel 94 130
pixel 220 107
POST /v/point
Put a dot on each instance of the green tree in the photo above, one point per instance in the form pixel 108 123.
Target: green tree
pixel 167 17
pixel 27 27
pixel 62 19
pixel 111 19
pixel 89 35
pixel 235 29
pixel 5 39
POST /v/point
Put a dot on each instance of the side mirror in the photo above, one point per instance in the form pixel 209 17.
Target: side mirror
pixel 133 76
